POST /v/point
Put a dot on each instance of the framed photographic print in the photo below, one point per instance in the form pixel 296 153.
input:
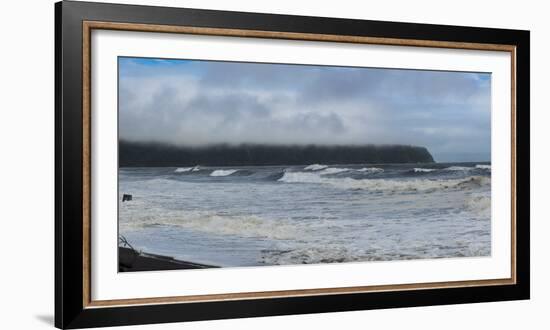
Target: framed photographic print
pixel 214 164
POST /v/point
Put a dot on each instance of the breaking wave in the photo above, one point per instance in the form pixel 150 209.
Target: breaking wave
pixel 311 254
pixel 337 253
pixel 183 169
pixel 222 172
pixel 387 185
pixel 459 168
pixel 479 203
pixel 423 170
pixel 465 168
pixel 315 167
pixel 483 167
pixel 187 169
pixel 238 225
pixel 370 170
pixel 333 170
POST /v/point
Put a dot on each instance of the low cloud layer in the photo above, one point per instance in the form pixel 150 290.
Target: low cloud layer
pixel 205 102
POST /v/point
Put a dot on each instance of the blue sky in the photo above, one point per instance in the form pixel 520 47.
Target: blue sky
pixel 193 102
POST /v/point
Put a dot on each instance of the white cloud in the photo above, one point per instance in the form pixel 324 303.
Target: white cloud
pixel 199 102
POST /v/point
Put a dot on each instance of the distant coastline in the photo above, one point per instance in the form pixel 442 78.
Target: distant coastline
pixel 139 154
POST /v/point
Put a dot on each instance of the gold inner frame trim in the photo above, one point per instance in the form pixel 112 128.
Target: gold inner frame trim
pixel 88 26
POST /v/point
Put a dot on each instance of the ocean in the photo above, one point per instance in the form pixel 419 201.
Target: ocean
pixel 283 215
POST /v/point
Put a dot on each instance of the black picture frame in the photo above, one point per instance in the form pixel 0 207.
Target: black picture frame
pixel 70 309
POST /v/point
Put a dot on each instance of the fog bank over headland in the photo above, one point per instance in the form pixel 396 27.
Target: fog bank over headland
pixel 133 154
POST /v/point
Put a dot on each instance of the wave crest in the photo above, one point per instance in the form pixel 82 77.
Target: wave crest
pixel 423 170
pixel 187 169
pixel 250 226
pixel 483 167
pixel 222 172
pixel 479 203
pixel 371 170
pixel 315 167
pixel 459 168
pixel 387 185
pixel 333 170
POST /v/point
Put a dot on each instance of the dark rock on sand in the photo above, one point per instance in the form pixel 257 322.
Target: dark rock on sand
pixel 130 260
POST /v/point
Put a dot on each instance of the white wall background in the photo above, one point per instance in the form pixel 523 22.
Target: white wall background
pixel 27 168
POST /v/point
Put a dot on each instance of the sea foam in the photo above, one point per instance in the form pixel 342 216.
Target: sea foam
pixel 371 170
pixel 183 169
pixel 459 168
pixel 222 172
pixel 315 167
pixel 483 167
pixel 187 169
pixel 387 185
pixel 251 226
pixel 479 203
pixel 333 170
pixel 423 170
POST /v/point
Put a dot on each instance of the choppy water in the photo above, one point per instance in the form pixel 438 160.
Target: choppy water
pixel 269 215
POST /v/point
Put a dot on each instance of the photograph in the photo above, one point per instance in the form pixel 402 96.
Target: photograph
pixel 246 164
pixel 216 164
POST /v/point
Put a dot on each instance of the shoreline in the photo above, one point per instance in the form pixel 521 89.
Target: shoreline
pixel 130 260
